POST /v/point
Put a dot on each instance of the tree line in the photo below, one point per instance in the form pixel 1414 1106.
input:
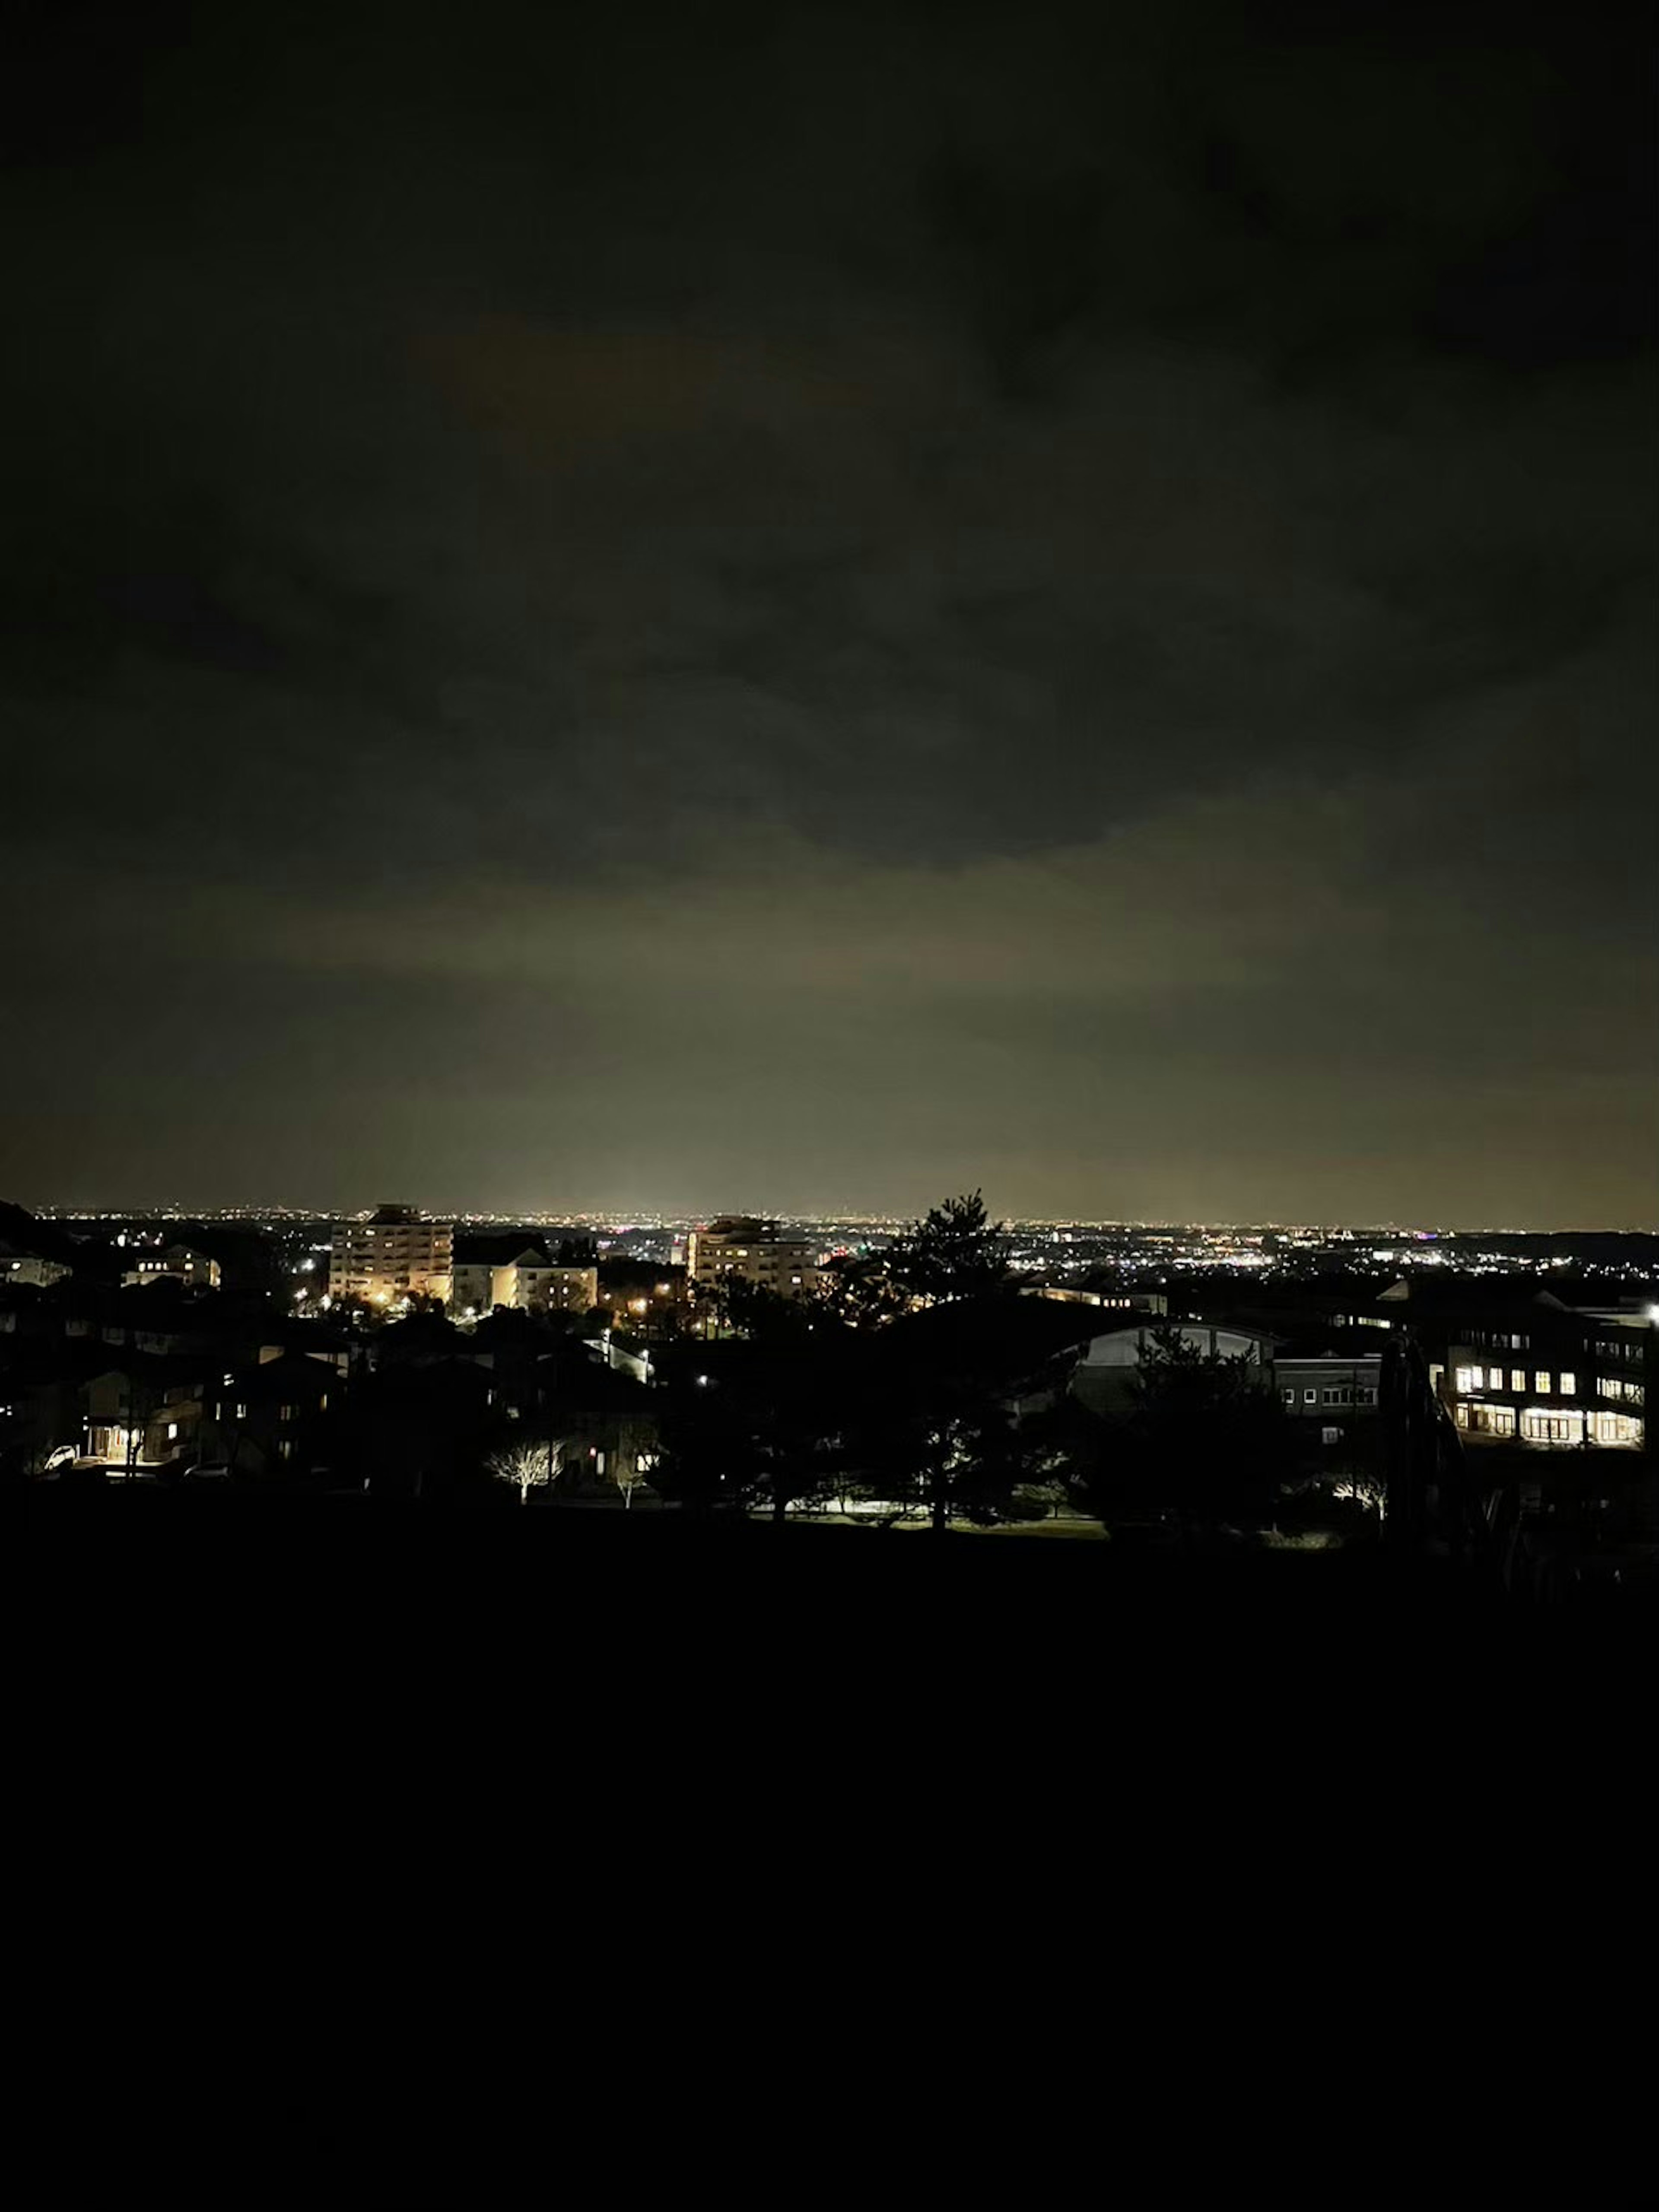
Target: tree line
pixel 906 1388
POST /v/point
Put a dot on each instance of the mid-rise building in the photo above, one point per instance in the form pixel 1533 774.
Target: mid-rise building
pixel 396 1253
pixel 1532 1370
pixel 739 1247
pixel 521 1274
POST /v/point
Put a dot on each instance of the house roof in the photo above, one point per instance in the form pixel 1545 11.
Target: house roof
pixel 1004 1334
pixel 495 1250
pixel 1472 1294
pixel 290 1376
pixel 26 1237
pixel 588 1386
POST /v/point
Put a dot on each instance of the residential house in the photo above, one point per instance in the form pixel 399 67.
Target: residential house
pixel 268 1419
pixel 31 1251
pixel 177 1262
pixel 143 1414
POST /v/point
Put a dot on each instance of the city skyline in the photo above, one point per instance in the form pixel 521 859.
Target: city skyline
pixel 835 601
pixel 545 1214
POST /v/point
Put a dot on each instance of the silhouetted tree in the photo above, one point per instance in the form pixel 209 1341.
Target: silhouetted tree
pixel 765 1315
pixel 955 1251
pixel 1213 1441
pixel 860 1291
pixel 420 1428
pixel 941 1439
pixel 708 1460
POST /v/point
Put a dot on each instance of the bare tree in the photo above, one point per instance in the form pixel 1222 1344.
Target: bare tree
pixel 531 1464
pixel 1367 1486
pixel 625 1473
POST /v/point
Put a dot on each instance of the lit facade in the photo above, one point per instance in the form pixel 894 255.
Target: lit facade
pixel 140 1417
pixel 529 1281
pixel 1581 1382
pixel 20 1267
pixel 742 1249
pixel 178 1263
pixel 396 1253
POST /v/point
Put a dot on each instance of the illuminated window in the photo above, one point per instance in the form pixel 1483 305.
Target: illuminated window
pixel 1518 1379
pixel 241 1411
pixel 1569 1383
pixel 1466 1379
pixel 1311 1397
pixel 1538 1427
pixel 1616 1429
pixel 1540 1383
pixel 1494 1378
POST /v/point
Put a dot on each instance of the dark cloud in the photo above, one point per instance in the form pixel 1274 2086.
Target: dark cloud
pixel 831 603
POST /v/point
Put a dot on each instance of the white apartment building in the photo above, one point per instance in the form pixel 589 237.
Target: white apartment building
pixel 491 1272
pixel 739 1246
pixel 395 1254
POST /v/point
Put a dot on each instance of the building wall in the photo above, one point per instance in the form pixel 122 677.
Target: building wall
pixel 1329 1389
pixel 479 1286
pixel 471 1286
pixel 130 1420
pixel 751 1251
pixel 383 1262
pixel 539 1289
pixel 1151 1302
pixel 1104 1378
pixel 1585 1390
pixel 30 1267
pixel 178 1263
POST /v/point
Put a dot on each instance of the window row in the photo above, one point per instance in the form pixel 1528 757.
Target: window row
pixel 1467 1380
pixel 1536 1426
pixel 1615 1386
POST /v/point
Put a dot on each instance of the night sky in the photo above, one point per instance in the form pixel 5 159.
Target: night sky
pixel 808 608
